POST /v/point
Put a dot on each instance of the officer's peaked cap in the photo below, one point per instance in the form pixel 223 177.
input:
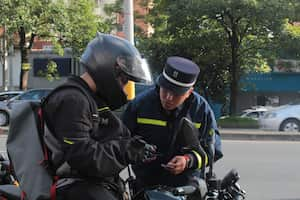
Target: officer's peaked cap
pixel 179 75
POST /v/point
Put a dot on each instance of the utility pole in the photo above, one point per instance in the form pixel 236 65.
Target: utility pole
pixel 130 87
pixel 4 63
pixel 129 35
pixel 129 21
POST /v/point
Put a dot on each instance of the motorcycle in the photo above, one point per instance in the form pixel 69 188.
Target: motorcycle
pixel 213 188
pixel 217 189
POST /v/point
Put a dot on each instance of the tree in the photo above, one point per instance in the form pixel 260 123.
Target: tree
pixel 225 37
pixel 70 24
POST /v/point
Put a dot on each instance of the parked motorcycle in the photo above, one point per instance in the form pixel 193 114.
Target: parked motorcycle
pixel 9 187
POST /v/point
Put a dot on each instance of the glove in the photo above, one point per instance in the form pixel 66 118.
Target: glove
pixel 139 151
pixel 150 153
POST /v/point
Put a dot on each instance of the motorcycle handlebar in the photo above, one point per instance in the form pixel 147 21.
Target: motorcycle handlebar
pixel 184 190
pixel 230 178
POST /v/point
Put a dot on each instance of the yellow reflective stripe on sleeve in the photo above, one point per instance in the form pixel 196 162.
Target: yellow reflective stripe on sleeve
pixel 102 109
pixel 68 141
pixel 197 125
pixel 200 159
pixel 151 121
pixel 211 132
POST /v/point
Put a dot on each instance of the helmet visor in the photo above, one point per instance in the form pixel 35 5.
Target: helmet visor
pixel 136 68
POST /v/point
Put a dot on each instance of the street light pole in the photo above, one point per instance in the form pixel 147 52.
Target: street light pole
pixel 129 88
pixel 128 21
pixel 129 35
pixel 4 63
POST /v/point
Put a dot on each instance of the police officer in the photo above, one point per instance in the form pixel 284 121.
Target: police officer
pixel 155 115
pixel 94 144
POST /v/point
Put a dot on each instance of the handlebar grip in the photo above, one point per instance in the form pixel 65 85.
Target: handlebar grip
pixel 184 190
pixel 231 177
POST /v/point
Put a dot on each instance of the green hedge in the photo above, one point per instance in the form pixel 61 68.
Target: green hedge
pixel 237 122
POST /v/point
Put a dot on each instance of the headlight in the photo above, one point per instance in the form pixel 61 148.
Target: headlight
pixel 270 115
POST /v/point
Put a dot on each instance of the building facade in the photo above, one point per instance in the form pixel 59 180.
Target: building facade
pixel 268 89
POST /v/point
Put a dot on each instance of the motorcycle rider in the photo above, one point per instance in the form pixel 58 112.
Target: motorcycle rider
pixel 96 145
pixel 155 115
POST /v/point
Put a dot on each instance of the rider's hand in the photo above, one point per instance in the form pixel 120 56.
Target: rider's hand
pixel 149 153
pixel 177 164
pixel 140 151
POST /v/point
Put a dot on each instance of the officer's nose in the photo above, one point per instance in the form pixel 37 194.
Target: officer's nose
pixel 169 96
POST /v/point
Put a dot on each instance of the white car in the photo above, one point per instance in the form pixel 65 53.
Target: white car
pixel 283 118
pixel 254 113
pixel 6 95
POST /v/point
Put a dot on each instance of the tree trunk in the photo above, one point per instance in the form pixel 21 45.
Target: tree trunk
pixel 234 70
pixel 25 65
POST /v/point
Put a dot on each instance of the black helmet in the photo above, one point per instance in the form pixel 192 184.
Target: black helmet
pixel 101 58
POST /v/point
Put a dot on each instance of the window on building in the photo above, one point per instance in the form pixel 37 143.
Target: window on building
pixel 263 100
pixel 63 66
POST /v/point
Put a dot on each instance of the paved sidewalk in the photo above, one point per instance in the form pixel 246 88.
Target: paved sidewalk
pixel 258 134
pixel 238 134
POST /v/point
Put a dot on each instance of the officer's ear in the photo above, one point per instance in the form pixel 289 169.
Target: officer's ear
pixel 189 92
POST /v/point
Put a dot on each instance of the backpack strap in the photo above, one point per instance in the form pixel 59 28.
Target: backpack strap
pixel 53 188
pixel 23 195
pixel 42 129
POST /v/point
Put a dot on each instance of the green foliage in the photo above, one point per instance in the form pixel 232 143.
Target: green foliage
pixel 288 42
pixel 256 63
pixel 57 48
pixel 292 31
pixel 238 122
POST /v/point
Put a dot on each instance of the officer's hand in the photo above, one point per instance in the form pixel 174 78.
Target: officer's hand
pixel 177 165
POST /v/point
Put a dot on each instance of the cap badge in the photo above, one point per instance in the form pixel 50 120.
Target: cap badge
pixel 175 74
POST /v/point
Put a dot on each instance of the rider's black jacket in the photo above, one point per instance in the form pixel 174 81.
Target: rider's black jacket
pixel 94 141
